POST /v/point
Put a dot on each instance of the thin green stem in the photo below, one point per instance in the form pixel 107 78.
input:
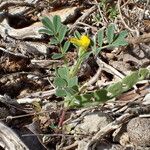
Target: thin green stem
pixel 61 50
pixel 64 54
pixel 75 68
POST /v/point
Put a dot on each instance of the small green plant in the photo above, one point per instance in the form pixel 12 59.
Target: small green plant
pixel 112 39
pixel 109 10
pixel 113 12
pixel 66 80
pixel 57 31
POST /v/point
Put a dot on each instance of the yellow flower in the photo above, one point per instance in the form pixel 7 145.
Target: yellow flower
pixel 83 42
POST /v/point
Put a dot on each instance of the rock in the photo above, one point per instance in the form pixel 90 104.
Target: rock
pixel 139 131
pixel 146 100
pixel 120 135
pixel 92 123
pixel 82 145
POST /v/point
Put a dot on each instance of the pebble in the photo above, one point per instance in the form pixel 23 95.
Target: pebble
pixel 139 131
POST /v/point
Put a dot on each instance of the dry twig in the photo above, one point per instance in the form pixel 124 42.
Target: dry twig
pixel 83 17
pixel 131 30
pixel 109 68
pixel 109 128
pixel 5 5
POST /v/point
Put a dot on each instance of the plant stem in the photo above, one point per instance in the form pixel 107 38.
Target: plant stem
pixel 62 118
pixel 75 67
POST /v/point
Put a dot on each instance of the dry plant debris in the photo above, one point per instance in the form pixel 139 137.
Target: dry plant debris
pixel 74 74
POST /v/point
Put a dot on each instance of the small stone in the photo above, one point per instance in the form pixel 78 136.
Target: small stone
pixel 146 100
pixel 139 131
pixel 93 122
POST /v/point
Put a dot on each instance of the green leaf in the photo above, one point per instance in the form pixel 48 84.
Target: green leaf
pixel 76 88
pixel 115 89
pixel 72 81
pixel 130 80
pixel 120 40
pixel 60 92
pixel 100 36
pixel 63 72
pixel 74 99
pixel 86 55
pixel 59 82
pixel 85 98
pixel 57 56
pixel 110 33
pixel 101 95
pixel 98 50
pixel 77 34
pixel 71 102
pixel 143 73
pixel 71 91
pixel 46 31
pixel 48 24
pixel 53 41
pixel 57 23
pixel 62 32
pixel 66 46
pixel 93 45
